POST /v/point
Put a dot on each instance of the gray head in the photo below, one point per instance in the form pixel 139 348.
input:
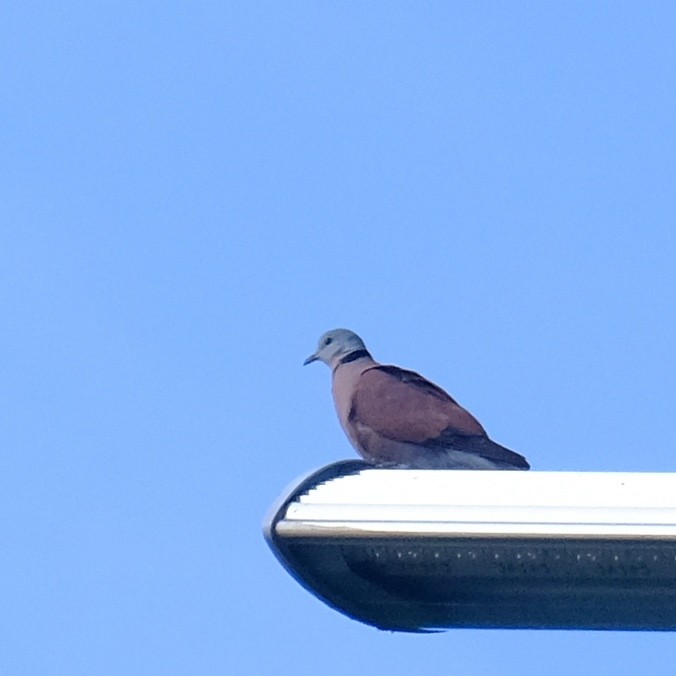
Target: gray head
pixel 335 345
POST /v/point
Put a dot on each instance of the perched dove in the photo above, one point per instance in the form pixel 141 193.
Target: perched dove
pixel 395 417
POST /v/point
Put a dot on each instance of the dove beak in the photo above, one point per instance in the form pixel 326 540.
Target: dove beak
pixel 310 359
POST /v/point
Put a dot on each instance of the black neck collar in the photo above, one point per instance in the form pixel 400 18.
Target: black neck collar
pixel 353 356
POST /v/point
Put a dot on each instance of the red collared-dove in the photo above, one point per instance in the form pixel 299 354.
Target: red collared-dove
pixel 395 417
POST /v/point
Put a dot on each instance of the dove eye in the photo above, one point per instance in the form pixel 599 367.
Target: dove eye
pixel 328 341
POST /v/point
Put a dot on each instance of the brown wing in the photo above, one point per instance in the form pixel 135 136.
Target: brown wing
pixel 403 406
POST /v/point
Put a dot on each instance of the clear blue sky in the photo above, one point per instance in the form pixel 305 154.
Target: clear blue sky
pixel 192 192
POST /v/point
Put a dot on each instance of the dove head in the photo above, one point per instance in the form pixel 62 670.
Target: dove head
pixel 335 345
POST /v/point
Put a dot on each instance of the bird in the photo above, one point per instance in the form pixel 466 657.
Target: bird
pixel 396 418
